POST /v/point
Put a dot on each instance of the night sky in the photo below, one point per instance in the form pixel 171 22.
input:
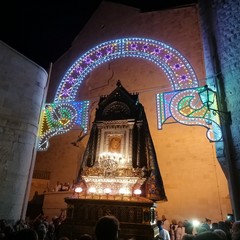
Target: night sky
pixel 43 31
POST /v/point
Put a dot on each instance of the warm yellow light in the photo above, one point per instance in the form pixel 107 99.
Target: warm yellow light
pixel 92 190
pixel 78 190
pixel 107 190
pixel 122 191
pixel 137 192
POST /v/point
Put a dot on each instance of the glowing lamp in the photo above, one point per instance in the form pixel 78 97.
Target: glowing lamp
pixel 122 191
pixel 107 190
pixel 92 190
pixel 78 190
pixel 207 96
pixel 137 192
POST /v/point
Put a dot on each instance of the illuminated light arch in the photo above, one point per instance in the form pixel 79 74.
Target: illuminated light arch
pixel 175 66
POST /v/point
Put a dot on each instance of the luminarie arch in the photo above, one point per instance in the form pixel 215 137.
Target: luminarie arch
pixel 182 103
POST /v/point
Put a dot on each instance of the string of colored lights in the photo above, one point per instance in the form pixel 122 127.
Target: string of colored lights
pixel 186 108
pixel 60 116
pixel 176 67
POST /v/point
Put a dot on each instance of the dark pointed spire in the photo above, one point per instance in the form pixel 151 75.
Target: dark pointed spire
pixel 119 83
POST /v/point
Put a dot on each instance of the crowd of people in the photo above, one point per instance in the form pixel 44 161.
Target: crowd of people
pixel 185 230
pixel 66 186
pixel 108 227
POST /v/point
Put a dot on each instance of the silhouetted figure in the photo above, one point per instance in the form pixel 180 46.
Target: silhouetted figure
pixel 26 234
pixel 188 237
pixel 42 231
pixel 107 228
pixel 236 230
pixel 207 235
pixel 221 234
pixel 85 237
pixel 63 238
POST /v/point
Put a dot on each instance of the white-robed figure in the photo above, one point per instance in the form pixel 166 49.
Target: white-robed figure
pixel 163 233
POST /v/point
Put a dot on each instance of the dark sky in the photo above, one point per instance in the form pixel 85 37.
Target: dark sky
pixel 43 31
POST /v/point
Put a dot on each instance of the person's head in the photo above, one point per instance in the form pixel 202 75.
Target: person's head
pixel 236 226
pixel 208 221
pixel 207 236
pixel 174 221
pixel 235 235
pixel 221 233
pixel 188 237
pixel 107 228
pixel 180 224
pixel 63 238
pixel 42 231
pixel 85 237
pixel 215 226
pixel 26 234
pixel 164 217
pixel 160 224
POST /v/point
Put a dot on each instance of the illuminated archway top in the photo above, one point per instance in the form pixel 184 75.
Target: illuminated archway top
pixel 176 67
pixel 182 103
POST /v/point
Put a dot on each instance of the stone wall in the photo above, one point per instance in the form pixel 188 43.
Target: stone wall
pixel 221 33
pixel 22 91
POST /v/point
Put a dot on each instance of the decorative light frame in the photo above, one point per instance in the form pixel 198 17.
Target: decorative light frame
pixel 176 67
pixel 187 108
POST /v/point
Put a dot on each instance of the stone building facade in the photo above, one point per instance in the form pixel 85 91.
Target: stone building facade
pixel 195 184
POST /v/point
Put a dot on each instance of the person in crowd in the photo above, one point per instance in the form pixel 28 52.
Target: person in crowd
pixel 166 223
pixel 236 226
pixel 207 235
pixel 42 231
pixel 236 230
pixel 107 228
pixel 65 187
pixel 26 234
pixel 180 231
pixel 221 233
pixel 207 224
pixel 214 226
pixel 221 225
pixel 73 185
pixel 228 228
pixel 173 228
pixel 235 236
pixel 162 231
pixel 188 227
pixel 58 187
pixel 188 237
pixel 51 232
pixel 86 237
